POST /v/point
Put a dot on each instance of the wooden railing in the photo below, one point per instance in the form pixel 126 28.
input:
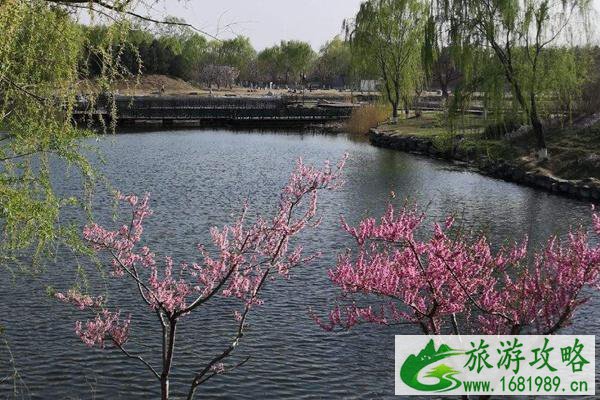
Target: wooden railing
pixel 182 108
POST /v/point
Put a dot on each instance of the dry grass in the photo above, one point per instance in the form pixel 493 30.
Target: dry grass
pixel 151 85
pixel 366 117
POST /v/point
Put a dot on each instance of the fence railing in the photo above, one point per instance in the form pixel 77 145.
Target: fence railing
pixel 181 108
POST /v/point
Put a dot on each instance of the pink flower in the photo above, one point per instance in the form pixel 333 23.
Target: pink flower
pixel 218 368
pixel 80 300
pixel 105 326
pixel 429 281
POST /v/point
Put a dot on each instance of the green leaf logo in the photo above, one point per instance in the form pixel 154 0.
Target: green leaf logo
pixel 409 372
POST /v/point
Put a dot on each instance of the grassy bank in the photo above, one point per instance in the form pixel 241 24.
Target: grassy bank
pixel 574 151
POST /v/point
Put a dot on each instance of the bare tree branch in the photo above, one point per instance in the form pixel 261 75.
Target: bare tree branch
pixel 137 358
pixel 121 8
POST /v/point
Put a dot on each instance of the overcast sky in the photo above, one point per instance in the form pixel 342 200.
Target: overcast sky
pixel 267 22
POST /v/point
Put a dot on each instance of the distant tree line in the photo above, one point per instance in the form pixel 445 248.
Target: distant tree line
pixel 523 60
pixel 185 54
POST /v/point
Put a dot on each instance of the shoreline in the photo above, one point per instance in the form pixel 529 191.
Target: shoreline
pixel 584 190
pixel 328 128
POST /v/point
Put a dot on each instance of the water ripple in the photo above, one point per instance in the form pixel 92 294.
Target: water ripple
pixel 197 179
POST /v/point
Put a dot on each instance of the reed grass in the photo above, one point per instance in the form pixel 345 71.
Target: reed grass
pixel 366 117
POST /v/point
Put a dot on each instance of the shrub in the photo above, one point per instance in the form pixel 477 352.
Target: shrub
pixel 499 130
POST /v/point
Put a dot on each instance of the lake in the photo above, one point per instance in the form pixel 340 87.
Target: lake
pixel 198 179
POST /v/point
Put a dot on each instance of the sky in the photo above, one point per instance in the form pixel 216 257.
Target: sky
pixel 267 22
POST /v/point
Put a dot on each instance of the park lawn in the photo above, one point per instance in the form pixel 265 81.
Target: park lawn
pixel 426 126
pixel 432 125
pixel 574 151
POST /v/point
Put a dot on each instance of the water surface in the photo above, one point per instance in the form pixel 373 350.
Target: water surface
pixel 197 179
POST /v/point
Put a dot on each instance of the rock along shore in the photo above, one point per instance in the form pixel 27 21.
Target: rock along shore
pixel 585 190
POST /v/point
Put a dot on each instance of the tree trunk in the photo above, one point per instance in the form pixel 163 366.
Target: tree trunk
pixel 394 112
pixel 168 348
pixel 444 90
pixel 538 130
pixel 531 111
pixel 164 387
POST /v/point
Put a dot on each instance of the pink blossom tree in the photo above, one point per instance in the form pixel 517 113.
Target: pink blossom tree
pixel 248 255
pixel 451 282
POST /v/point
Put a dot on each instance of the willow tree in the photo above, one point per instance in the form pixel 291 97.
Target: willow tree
pixel 44 58
pixel 443 43
pixel 521 34
pixel 388 35
pixel 36 105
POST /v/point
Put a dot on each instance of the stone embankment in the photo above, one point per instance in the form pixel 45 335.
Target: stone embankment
pixel 585 189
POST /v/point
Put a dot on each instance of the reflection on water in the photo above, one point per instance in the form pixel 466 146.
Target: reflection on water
pixel 197 179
